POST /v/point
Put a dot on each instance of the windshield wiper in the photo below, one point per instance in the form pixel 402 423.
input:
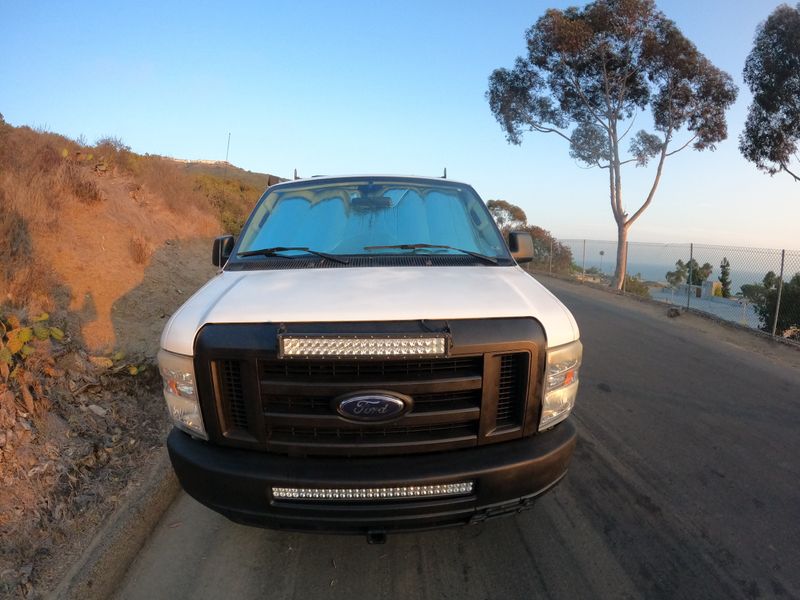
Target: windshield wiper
pixel 274 251
pixel 483 257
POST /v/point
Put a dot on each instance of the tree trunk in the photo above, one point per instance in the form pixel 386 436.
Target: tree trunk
pixel 622 256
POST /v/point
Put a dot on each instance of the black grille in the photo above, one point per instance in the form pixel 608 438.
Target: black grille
pixel 372 440
pixel 321 405
pixel 375 435
pixel 230 383
pixel 511 395
pixel 292 409
pixel 299 413
pixel 343 369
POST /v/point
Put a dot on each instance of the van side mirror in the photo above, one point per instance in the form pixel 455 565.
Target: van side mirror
pixel 521 245
pixel 221 252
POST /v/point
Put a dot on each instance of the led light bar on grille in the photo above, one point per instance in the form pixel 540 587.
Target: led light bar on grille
pixel 389 493
pixel 362 346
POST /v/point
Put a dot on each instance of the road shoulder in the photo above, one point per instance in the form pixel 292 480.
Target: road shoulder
pixel 105 561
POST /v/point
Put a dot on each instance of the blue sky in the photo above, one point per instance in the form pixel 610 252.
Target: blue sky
pixel 331 88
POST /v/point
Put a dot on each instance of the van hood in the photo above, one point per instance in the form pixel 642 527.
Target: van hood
pixel 368 294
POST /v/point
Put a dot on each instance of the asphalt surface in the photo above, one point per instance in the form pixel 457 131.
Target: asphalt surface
pixel 685 484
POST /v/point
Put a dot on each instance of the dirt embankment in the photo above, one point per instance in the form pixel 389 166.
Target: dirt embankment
pixel 92 423
pixel 98 246
pixel 102 252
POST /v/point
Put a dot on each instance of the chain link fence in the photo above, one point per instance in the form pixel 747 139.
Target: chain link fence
pixel 758 288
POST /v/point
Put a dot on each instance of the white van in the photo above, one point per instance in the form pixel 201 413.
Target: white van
pixel 370 358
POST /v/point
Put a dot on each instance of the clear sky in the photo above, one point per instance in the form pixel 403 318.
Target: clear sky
pixel 373 87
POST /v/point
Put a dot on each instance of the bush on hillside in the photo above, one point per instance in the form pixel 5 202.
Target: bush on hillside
pixel 233 200
pixel 634 285
pixel 766 301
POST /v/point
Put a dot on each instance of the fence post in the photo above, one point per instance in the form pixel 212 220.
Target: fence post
pixel 689 278
pixel 583 267
pixel 780 289
pixel 551 256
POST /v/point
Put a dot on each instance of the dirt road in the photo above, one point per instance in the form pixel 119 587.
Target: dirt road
pixel 685 485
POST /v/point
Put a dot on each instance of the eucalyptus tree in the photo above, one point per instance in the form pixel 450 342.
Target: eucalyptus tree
pixel 589 72
pixel 772 72
pixel 507 216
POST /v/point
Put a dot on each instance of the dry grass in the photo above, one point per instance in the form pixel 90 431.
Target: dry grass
pixel 141 249
pixel 16 242
pixel 172 183
pixel 24 280
pixel 42 173
pixel 39 172
pixel 159 176
pixel 72 179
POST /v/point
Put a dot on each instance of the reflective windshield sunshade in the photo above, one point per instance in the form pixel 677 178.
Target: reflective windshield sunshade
pixel 376 217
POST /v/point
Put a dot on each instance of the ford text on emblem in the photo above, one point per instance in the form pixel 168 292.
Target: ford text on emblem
pixel 372 406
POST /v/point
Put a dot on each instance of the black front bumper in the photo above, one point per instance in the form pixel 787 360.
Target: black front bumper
pixel 238 483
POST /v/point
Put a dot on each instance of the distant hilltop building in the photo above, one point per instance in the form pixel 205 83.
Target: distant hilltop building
pixel 199 162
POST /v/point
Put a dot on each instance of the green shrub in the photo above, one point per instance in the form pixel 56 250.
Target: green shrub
pixel 635 285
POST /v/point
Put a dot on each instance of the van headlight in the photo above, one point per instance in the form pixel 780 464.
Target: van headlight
pixel 180 392
pixel 561 383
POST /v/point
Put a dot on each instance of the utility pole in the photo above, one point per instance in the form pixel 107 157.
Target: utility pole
pixel 225 170
pixel 227 151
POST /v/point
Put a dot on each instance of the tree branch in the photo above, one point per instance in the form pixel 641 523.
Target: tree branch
pixel 622 137
pixel 607 96
pixel 784 168
pixel 543 129
pixel 667 139
pixel 652 193
pixel 576 83
pixel 693 138
pixel 594 164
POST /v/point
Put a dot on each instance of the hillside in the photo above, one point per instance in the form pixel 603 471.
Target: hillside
pixel 79 224
pixel 98 246
pixel 223 170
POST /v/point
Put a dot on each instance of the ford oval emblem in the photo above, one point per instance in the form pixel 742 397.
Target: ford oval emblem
pixel 372 406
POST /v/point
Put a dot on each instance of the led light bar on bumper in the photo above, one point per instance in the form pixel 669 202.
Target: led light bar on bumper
pixel 180 392
pixel 406 492
pixel 366 346
pixel 561 383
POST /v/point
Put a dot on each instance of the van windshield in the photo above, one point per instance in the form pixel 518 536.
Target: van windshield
pixel 349 217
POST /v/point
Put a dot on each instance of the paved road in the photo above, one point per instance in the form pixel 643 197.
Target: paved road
pixel 686 484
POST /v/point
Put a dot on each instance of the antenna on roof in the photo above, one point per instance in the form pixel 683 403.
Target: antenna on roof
pixel 295 174
pixel 445 173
